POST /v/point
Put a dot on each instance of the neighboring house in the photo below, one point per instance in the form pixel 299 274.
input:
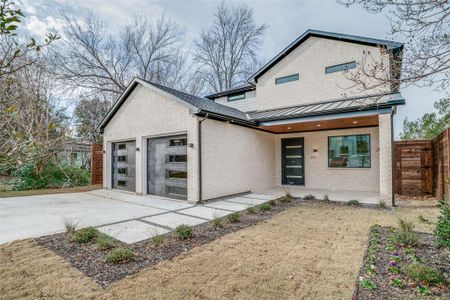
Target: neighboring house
pixel 76 153
pixel 289 126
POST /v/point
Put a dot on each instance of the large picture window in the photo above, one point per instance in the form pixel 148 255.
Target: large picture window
pixel 349 151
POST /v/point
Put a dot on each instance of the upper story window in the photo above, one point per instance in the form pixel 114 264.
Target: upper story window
pixel 285 79
pixel 236 97
pixel 341 67
pixel 351 151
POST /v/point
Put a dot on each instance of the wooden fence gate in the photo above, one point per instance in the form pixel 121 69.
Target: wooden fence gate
pixel 414 167
pixel 97 164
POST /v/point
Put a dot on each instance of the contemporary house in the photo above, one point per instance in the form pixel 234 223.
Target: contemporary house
pixel 299 123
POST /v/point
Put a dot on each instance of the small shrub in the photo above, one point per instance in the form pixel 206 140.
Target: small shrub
pixel 309 197
pixel 85 235
pixel 70 226
pixel 287 198
pixel 442 230
pixel 353 202
pixel 423 290
pixel 104 241
pixel 367 284
pixel 234 217
pixel 158 240
pixel 264 207
pixel 397 283
pixel 272 202
pixel 119 255
pixel 381 205
pixel 405 236
pixel 326 199
pixel 184 232
pixel 424 273
pixel 251 210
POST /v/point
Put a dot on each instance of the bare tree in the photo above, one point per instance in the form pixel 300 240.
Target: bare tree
pixel 424 26
pixel 227 51
pixel 91 60
pixel 88 114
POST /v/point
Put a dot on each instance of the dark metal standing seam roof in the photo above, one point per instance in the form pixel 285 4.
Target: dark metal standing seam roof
pixel 329 107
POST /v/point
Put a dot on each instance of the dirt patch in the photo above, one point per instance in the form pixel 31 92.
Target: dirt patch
pixel 307 252
pixel 91 261
pixel 77 189
pixel 383 273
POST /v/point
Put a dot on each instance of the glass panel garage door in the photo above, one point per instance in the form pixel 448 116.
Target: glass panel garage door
pixel 124 166
pixel 167 166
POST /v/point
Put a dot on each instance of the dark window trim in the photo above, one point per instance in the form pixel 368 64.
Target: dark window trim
pixel 289 78
pixel 370 151
pixel 175 178
pixel 345 66
pixel 240 96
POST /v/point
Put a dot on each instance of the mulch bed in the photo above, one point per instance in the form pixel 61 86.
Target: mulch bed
pixel 90 261
pixel 384 264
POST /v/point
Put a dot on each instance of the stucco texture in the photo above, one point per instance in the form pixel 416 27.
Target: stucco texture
pixel 309 60
pixel 235 159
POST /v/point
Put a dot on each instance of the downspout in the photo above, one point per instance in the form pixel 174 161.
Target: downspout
pixel 392 159
pixel 199 142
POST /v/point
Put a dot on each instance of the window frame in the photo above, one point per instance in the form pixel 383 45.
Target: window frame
pixel 169 143
pixel 348 135
pixel 240 95
pixel 287 78
pixel 343 67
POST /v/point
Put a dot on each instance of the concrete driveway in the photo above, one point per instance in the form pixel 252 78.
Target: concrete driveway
pixel 125 216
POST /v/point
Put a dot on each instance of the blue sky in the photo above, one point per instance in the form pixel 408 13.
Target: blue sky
pixel 287 19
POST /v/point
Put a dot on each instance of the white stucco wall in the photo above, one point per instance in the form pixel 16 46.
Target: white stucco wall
pixel 319 175
pixel 147 113
pixel 235 159
pixel 247 104
pixel 309 60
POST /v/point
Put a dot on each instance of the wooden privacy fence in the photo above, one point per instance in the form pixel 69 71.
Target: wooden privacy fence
pixel 97 164
pixel 422 166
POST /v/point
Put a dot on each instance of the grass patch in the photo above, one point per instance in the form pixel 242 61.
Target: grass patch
pixel 158 240
pixel 85 235
pixel 264 207
pixel 251 210
pixel 119 255
pixel 184 232
pixel 405 236
pixel 272 202
pixel 234 217
pixel 424 274
pixel 104 242
pixel 310 197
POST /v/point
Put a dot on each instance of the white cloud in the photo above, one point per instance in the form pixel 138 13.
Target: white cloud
pixel 40 27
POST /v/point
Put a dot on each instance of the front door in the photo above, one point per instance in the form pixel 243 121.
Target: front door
pixel 293 162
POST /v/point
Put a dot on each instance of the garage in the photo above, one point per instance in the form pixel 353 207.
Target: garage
pixel 124 166
pixel 167 166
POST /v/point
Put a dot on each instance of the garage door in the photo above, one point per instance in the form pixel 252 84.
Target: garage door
pixel 124 166
pixel 167 166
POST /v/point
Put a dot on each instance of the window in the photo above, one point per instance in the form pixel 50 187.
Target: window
pixel 176 190
pixel 236 97
pixel 178 142
pixel 122 146
pixel 176 174
pixel 341 67
pixel 121 183
pixel 286 79
pixel 122 158
pixel 177 158
pixel 122 171
pixel 351 151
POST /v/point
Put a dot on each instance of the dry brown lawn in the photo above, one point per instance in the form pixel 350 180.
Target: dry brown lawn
pixel 308 252
pixel 76 189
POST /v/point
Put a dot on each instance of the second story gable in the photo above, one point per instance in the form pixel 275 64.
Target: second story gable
pixel 316 67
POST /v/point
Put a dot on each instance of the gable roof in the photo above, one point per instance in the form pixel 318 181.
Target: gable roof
pixel 201 106
pixel 327 35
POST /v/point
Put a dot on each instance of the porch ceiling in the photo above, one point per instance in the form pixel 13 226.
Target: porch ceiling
pixel 341 123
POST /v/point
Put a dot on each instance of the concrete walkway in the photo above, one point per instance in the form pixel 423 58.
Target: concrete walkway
pixel 127 217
